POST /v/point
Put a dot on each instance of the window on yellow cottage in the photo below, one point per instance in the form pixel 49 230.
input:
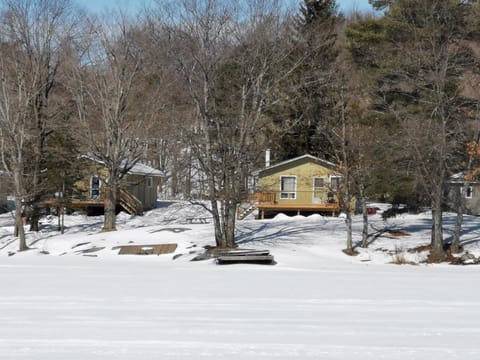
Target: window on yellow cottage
pixel 335 182
pixel 288 187
pixel 318 189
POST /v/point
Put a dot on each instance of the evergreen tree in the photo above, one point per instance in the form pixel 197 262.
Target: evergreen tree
pixel 416 54
pixel 303 118
pixel 314 11
pixel 380 4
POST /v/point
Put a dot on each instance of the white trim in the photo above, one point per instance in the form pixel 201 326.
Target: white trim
pixel 468 192
pixel 288 193
pixel 335 177
pixel 315 189
pixel 91 186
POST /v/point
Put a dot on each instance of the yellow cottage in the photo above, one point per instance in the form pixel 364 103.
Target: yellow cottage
pixel 306 184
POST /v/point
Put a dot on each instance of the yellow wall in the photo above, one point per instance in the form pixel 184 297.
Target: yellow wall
pixel 304 172
pixel 90 168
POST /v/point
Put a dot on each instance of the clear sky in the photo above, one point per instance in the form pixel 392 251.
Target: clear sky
pixel 99 5
pixel 347 5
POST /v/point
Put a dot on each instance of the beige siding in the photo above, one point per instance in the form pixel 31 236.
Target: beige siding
pixel 304 174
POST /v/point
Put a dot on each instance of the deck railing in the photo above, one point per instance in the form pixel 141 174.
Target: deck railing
pixel 263 197
pixel 299 197
pixel 125 199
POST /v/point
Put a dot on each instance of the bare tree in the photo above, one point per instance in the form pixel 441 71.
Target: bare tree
pixel 32 35
pixel 229 57
pixel 39 30
pixel 105 91
pixel 351 137
pixel 169 101
pixel 14 126
pixel 351 134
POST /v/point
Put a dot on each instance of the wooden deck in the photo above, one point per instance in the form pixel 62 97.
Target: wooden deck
pixel 332 209
pixel 269 203
pixel 125 200
pixel 73 203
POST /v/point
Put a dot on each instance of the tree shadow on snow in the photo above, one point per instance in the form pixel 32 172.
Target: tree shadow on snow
pixel 269 234
pixel 470 233
pixel 383 227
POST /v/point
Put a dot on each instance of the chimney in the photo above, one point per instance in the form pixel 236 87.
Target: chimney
pixel 267 158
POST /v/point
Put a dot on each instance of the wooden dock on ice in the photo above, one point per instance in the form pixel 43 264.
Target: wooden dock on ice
pixel 248 256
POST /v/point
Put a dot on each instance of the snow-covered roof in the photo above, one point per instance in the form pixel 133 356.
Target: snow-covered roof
pixel 298 158
pixel 137 169
pixel 143 169
pixel 459 178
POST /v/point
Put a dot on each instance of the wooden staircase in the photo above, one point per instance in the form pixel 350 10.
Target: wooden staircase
pixel 246 209
pixel 130 203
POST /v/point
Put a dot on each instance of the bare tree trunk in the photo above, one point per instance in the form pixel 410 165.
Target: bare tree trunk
pixel 110 207
pixel 230 224
pixel 365 218
pixel 455 247
pixel 217 225
pixel 348 223
pixel 438 252
pixel 19 229
pixel 345 160
pixel 459 202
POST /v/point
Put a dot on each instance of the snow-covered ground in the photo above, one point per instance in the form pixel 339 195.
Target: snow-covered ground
pixel 73 297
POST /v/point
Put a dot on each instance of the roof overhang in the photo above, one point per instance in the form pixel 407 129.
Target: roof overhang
pixel 303 158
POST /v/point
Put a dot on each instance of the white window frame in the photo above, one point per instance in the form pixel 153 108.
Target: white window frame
pixel 320 189
pixel 91 186
pixel 339 181
pixel 468 191
pixel 288 195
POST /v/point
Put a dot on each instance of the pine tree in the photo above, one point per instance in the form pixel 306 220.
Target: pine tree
pixel 312 12
pixel 303 117
pixel 416 53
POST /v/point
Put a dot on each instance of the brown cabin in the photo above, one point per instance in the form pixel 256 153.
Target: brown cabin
pixel 305 184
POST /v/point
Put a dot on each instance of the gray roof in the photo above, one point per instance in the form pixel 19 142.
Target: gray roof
pixel 143 169
pixel 137 169
pixel 298 158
